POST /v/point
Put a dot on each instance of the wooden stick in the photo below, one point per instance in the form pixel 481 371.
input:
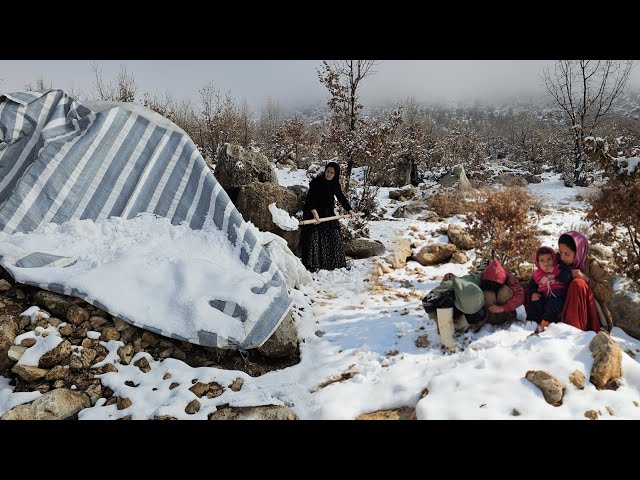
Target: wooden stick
pixel 326 219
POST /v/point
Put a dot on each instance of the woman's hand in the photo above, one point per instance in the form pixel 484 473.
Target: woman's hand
pixel 535 297
pixel 353 214
pixel 316 217
pixel 577 273
pixel 496 309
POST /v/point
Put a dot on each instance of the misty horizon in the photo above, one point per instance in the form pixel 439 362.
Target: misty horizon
pixel 294 84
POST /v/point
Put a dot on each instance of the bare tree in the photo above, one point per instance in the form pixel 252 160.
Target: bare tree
pixel 245 123
pixel 270 120
pixel 122 89
pixel 103 90
pixel 585 90
pixel 342 78
pixel 40 85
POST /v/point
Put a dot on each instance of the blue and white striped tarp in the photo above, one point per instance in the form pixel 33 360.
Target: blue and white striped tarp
pixel 61 161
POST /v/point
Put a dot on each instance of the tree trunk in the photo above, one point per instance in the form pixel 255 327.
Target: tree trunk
pixel 347 175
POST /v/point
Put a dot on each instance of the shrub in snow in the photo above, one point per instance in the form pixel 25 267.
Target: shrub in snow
pixel 503 223
pixel 614 208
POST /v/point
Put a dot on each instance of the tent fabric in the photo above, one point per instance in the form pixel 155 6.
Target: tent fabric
pixel 60 160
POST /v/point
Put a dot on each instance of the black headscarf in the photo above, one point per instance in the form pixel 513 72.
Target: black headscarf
pixel 336 168
pixel 322 191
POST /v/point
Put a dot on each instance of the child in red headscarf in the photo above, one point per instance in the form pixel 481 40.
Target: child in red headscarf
pixel 548 287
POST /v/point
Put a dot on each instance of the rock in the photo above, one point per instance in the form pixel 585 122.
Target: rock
pixel 459 237
pixel 58 404
pixel 123 403
pixel 238 166
pixel 76 364
pixel 67 330
pixel 515 412
pixel 300 192
pixel 58 372
pixel 236 385
pixel 458 257
pixel 5 286
pixel 119 324
pixel 253 203
pixel 530 178
pixel 94 392
pixel 55 356
pixel 402 413
pixel 551 388
pixel 77 315
pixel 30 374
pixel 87 356
pixel 108 368
pixel 510 180
pixel 53 302
pixel 151 339
pixel 600 253
pixel 16 352
pixel 20 294
pixel 215 390
pixel 109 333
pixel 422 341
pixel 28 342
pixel 408 192
pixel 199 389
pixel 193 407
pixel 364 248
pixel 400 252
pixel 97 322
pixel 264 412
pixel 591 414
pixel 283 342
pixel 434 254
pixel 429 217
pixel 8 333
pixel 607 362
pixel 143 365
pixel 578 379
pixel 626 314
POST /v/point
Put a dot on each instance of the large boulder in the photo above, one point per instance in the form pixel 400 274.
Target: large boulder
pixel 434 254
pixel 55 303
pixel 301 194
pixel 626 314
pixel 459 237
pixel 238 166
pixel 402 173
pixel 607 362
pixel 56 404
pixel 363 248
pixel 511 180
pixel 284 341
pixel 400 251
pixel 253 203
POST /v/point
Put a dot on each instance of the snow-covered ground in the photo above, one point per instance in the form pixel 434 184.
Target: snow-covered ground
pixel 367 345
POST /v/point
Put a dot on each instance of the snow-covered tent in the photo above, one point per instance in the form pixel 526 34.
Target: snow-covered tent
pixel 63 162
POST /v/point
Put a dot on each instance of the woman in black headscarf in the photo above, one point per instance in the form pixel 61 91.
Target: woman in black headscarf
pixel 321 243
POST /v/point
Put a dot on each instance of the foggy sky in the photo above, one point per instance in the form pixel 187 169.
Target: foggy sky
pixel 293 82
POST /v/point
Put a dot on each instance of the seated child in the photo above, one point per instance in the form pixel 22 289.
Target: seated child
pixel 548 287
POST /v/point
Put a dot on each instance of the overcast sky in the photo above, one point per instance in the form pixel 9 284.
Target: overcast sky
pixel 293 82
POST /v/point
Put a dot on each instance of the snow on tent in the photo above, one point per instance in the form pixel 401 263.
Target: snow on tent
pixel 113 203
